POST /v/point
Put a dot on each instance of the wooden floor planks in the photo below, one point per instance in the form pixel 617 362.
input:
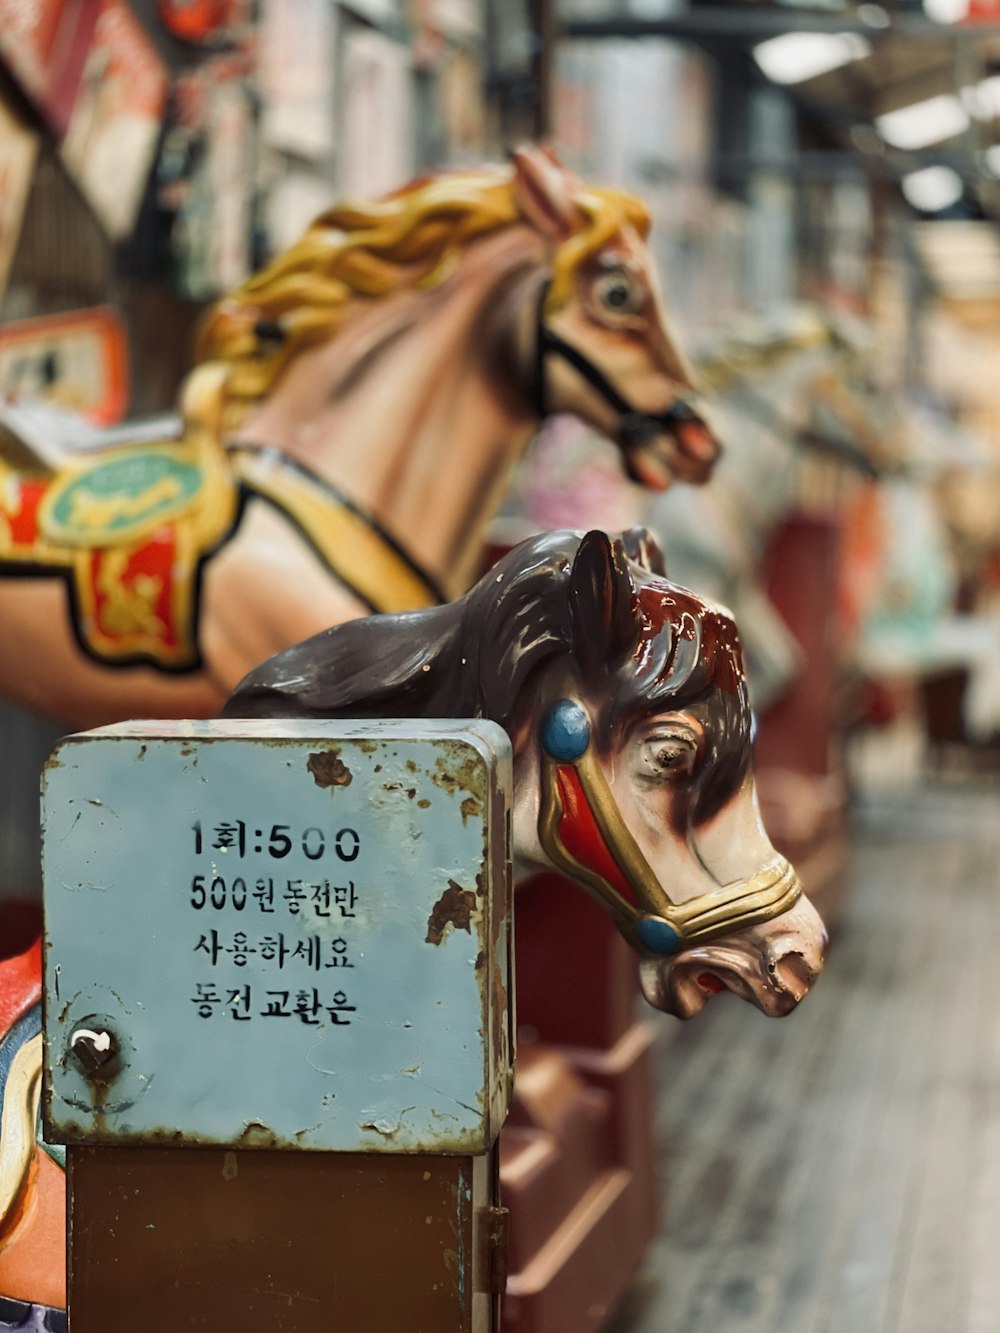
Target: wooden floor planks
pixel 839 1171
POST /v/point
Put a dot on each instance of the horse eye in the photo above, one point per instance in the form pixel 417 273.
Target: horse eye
pixel 670 756
pixel 619 293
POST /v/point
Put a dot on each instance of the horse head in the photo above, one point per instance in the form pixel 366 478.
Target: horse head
pixel 522 274
pixel 603 347
pixel 625 699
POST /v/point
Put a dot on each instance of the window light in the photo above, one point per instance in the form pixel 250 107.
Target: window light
pixel 923 123
pixel 946 11
pixel 796 56
pixel 932 188
pixel 982 99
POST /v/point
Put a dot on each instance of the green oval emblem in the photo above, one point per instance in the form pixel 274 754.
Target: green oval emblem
pixel 118 499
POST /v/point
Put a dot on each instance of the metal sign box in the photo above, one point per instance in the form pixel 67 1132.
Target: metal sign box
pixel 279 934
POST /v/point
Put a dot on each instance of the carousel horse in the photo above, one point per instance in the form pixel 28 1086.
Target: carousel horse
pixel 625 700
pixel 345 435
pixel 349 428
pixel 797 389
pixel 783 394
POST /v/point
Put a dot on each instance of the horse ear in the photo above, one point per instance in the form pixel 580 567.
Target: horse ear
pixel 543 192
pixel 602 602
pixel 643 549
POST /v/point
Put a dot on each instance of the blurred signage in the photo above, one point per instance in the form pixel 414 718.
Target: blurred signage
pixel 203 22
pixel 44 44
pixel 206 176
pixel 18 152
pixel 296 76
pixel 375 153
pixel 982 11
pixel 78 360
pixel 115 121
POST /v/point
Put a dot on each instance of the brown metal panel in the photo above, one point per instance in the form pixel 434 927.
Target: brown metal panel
pixel 241 1241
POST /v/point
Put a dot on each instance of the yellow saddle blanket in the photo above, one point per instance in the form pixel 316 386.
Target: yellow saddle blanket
pixel 130 529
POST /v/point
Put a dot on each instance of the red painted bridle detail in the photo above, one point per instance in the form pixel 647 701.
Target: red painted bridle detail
pixel 580 836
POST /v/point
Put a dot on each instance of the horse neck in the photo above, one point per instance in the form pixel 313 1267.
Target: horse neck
pixel 408 411
pixel 761 466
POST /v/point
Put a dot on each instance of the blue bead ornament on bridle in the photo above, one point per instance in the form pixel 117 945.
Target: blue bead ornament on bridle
pixel 565 731
pixel 584 835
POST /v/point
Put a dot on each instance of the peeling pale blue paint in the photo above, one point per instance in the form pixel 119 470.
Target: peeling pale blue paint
pixel 413 1069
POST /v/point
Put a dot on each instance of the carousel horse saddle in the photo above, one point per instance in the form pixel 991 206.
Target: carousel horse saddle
pixel 130 517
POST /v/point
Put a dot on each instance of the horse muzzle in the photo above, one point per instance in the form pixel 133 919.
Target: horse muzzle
pixel 773 965
pixel 663 447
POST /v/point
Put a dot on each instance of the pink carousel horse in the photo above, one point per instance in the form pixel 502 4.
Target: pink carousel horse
pixel 347 433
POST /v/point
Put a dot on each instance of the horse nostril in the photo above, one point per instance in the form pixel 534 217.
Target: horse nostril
pixel 793 974
pixel 710 982
pixel 697 441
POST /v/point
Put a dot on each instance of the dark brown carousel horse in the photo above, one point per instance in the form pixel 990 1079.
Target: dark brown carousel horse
pixel 625 699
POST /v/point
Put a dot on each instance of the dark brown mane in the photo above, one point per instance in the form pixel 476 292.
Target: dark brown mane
pixel 627 634
pixel 469 658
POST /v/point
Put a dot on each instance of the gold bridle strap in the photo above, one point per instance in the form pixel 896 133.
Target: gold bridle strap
pixel 577 805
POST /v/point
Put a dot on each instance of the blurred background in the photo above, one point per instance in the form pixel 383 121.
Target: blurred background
pixel 824 180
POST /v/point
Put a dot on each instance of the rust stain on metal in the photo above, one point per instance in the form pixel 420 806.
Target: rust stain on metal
pixel 257 1135
pixel 463 775
pixel 329 769
pixel 453 908
pixel 412 767
pixel 423 804
pixel 442 1144
pixel 230 1166
pixel 498 1247
pixel 99 1132
pixel 499 996
pixel 471 808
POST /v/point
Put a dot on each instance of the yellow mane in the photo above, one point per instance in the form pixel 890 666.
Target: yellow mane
pixel 411 238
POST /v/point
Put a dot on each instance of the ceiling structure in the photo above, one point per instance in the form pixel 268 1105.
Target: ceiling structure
pixel 915 98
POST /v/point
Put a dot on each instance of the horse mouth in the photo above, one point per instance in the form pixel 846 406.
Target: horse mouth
pixel 775 984
pixel 676 445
